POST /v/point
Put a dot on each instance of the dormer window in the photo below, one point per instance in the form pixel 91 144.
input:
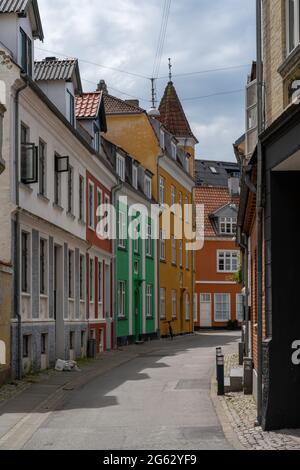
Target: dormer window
pixel 26 53
pixel 227 225
pixel 97 141
pixel 162 139
pixel 148 187
pixel 174 151
pixel 135 176
pixel 70 108
pixel 293 24
pixel 121 167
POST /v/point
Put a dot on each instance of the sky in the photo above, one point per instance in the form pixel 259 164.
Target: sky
pixel 202 35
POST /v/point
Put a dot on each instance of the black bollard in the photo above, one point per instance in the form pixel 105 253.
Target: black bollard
pixel 220 375
pixel 218 353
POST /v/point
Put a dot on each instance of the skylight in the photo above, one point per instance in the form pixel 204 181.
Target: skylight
pixel 213 170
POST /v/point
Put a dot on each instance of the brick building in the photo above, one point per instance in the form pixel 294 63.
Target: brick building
pixel 219 298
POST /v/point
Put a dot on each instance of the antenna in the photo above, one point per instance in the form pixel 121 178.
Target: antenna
pixel 153 111
pixel 170 69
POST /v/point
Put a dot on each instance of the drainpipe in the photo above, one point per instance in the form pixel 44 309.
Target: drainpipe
pixel 259 212
pixel 244 245
pixel 114 193
pixel 160 157
pixel 16 239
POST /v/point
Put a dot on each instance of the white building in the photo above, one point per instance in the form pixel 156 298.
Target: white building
pixel 43 196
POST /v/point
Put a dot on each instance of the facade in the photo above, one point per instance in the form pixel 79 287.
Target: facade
pixel 43 213
pixel 135 248
pixel 169 157
pixel 273 303
pixel 219 297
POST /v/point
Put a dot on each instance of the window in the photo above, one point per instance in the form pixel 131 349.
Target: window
pixel 240 307
pixel 81 198
pixel 195 307
pixel 293 24
pixel 186 163
pixel 70 108
pixel 122 229
pixel 57 185
pixel 148 187
pixel 136 268
pixel 222 307
pixel 162 303
pixel 187 210
pixel 135 176
pixel 121 167
pixel 173 195
pixel 100 283
pixel 161 190
pixel 136 241
pixel 149 241
pixel 99 201
pixel 29 158
pixel 91 214
pixel 174 304
pixel 26 53
pixel 26 346
pixel 121 299
pixel 91 280
pixel 213 170
pixel 44 341
pixel 162 245
pixel 42 168
pixel 71 274
pixel 82 276
pixel 227 225
pixel 174 250
pixel 180 203
pixel 97 140
pixel 181 253
pixel 149 301
pixel 174 151
pixel 70 190
pixel 25 263
pixel 187 307
pixel 43 267
pixel 205 298
pixel 162 139
pixel 228 261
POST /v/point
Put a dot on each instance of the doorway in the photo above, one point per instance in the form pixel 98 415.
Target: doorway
pixel 205 311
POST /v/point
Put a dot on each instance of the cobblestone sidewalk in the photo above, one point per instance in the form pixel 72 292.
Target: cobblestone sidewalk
pixel 241 412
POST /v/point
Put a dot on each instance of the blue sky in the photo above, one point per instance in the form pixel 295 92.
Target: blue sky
pixel 202 35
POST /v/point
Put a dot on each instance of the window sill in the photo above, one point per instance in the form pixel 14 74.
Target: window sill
pixel 58 207
pixel 150 318
pixel 25 187
pixel 122 318
pixel 44 296
pixel 43 198
pixel 71 216
pixel 81 222
pixel 163 261
pixel 122 248
pixel 290 63
pixel 150 257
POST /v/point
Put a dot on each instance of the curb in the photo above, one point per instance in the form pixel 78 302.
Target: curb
pixel 224 418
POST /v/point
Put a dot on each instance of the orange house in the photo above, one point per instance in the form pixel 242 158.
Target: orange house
pixel 219 297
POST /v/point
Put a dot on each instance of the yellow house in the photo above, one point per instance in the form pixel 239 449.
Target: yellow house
pixel 170 158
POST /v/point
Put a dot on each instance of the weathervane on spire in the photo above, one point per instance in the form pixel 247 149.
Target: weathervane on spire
pixel 170 70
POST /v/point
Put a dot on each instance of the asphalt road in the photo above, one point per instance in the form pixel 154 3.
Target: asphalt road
pixel 158 401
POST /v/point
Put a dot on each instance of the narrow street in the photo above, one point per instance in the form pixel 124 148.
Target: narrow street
pixel 159 400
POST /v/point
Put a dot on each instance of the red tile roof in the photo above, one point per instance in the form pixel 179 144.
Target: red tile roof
pixel 172 115
pixel 88 104
pixel 213 199
pixel 114 105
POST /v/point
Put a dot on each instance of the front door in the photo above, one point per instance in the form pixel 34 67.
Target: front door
pixel 205 311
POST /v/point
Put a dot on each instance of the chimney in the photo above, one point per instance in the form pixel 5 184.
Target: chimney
pixel 102 87
pixel 50 59
pixel 135 103
pixel 234 186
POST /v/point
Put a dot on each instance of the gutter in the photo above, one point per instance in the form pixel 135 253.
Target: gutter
pixel 16 231
pixel 259 213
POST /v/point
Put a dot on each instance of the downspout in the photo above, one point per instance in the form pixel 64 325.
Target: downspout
pixel 160 157
pixel 244 245
pixel 114 193
pixel 16 240
pixel 259 213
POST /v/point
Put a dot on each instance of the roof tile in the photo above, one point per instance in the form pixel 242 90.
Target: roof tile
pixel 88 104
pixel 115 105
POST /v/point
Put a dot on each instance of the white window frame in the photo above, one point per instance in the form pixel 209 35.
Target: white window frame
pixel 100 283
pixel 99 195
pixel 195 308
pixel 44 272
pixel 174 304
pixel 174 151
pixel 290 49
pixel 187 306
pixel 92 280
pixel 162 246
pixel 71 190
pixel 149 301
pixel 227 222
pixel 71 274
pixel 42 168
pixel 187 210
pixel 135 176
pixel 91 206
pixel 173 195
pixel 122 229
pixel 148 187
pixel 181 253
pixel 162 307
pixel 82 277
pixel 149 240
pixel 27 261
pixel 240 307
pixel 81 198
pixel 228 298
pixel 174 250
pixel 223 253
pixel 121 167
pixel 121 299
